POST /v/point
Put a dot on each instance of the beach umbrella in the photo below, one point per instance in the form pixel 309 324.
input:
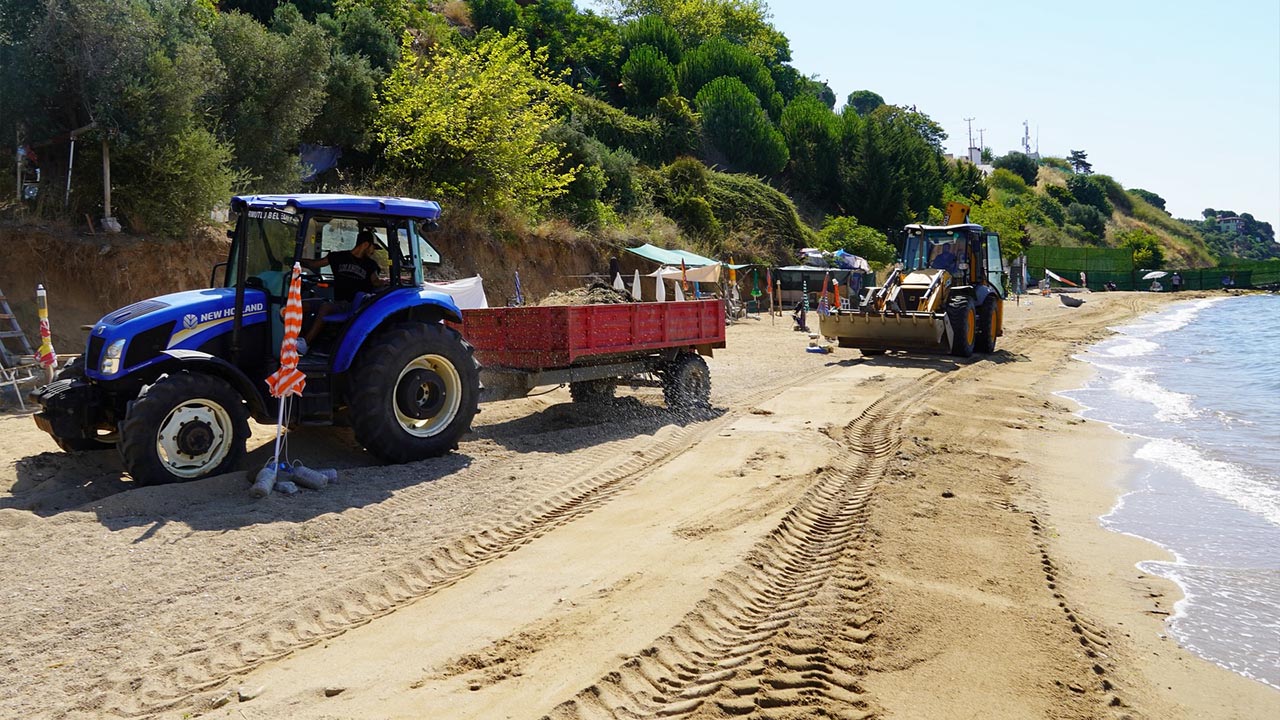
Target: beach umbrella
pixel 733 274
pixel 287 380
pixel 660 292
pixel 635 286
pixel 519 291
pixel 755 283
pixel 684 274
pixel 45 354
pixel 618 284
pixel 679 294
pixel 1154 274
pixel 835 292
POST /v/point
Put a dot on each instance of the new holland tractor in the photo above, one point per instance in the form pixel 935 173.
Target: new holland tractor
pixel 172 381
pixel 945 295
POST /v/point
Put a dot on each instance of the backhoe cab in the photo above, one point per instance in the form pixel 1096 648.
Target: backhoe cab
pixel 945 294
pixel 172 380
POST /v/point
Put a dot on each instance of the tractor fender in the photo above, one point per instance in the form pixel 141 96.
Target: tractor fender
pixel 196 361
pixel 415 303
pixel 980 294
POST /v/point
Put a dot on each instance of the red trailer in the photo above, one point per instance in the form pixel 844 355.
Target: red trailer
pixel 594 348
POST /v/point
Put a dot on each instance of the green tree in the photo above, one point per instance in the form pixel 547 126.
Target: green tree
pixel 812 133
pixel 468 123
pixel 967 179
pixel 1009 182
pixel 359 32
pixel 501 15
pixel 1009 222
pixel 1019 164
pixel 743 22
pixel 647 77
pixel 1079 160
pixel 864 102
pixel 653 31
pixel 736 124
pixel 1061 193
pixel 844 233
pixel 720 58
pixel 275 87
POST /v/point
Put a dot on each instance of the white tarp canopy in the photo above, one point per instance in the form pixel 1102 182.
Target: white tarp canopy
pixel 707 274
pixel 467 293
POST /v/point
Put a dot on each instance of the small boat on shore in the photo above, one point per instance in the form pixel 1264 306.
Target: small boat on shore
pixel 1071 301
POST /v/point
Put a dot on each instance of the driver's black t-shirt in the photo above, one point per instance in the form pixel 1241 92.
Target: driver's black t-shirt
pixel 351 274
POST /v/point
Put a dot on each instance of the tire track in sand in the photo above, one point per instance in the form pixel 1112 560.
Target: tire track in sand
pixel 346 605
pixel 784 633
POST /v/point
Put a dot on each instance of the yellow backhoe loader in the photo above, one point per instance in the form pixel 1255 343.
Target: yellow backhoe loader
pixel 946 294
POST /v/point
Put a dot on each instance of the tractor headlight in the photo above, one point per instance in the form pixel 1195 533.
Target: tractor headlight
pixel 111 358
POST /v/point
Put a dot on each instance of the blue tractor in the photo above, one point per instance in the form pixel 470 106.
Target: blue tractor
pixel 172 381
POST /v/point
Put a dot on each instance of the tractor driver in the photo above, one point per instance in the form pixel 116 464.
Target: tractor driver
pixel 355 273
pixel 946 259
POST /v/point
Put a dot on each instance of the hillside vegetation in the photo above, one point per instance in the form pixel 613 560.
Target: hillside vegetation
pixel 677 121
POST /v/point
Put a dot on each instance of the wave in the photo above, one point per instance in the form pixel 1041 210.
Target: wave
pixel 1224 479
pixel 1178 317
pixel 1138 384
pixel 1126 347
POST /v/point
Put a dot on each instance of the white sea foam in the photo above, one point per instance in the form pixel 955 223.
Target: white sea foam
pixel 1138 384
pixel 1178 317
pixel 1222 478
pixel 1127 347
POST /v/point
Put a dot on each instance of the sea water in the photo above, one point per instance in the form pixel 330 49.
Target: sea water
pixel 1198 386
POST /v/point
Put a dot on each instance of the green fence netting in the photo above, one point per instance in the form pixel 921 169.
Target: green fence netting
pixel 1113 265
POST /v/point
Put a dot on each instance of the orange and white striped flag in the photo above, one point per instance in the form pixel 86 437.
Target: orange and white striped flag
pixel 289 380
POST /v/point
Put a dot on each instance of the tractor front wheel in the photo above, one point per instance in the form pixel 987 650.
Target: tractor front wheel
pixel 964 326
pixel 185 426
pixel 74 370
pixel 987 324
pixel 413 392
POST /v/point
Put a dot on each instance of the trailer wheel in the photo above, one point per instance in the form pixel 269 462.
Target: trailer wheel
pixel 960 314
pixel 186 426
pixel 592 391
pixel 72 371
pixel 687 383
pixel 986 334
pixel 413 392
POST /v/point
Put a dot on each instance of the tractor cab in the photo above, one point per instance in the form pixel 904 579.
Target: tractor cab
pixel 969 254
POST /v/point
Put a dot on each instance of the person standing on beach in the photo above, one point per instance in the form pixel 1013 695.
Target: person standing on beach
pixel 1176 282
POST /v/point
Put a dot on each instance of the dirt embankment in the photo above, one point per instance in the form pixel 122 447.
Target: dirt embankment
pixel 88 276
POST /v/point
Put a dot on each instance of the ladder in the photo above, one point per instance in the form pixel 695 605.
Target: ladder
pixel 17 359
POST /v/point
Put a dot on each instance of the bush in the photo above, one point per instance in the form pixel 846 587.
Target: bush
pixel 1114 192
pixel 1087 190
pixel 694 215
pixel 1151 198
pixel 617 129
pixel 844 233
pixel 1087 217
pixel 170 189
pixel 1008 181
pixel 744 204
pixel 735 123
pixel 646 78
pixel 1019 164
pixel 1148 254
pixel 687 176
pixel 501 15
pixel 1051 209
pixel 1060 193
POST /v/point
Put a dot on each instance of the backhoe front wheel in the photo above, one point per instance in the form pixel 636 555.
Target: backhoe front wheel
pixel 964 326
pixel 413 392
pixel 185 426
pixel 988 324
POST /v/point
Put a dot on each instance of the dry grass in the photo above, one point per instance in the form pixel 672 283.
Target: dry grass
pixel 456 12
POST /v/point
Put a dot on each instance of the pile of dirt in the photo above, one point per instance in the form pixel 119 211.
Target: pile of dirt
pixel 595 294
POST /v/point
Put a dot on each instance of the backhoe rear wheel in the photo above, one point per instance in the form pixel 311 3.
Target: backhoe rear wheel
pixel 961 315
pixel 185 426
pixel 987 321
pixel 413 392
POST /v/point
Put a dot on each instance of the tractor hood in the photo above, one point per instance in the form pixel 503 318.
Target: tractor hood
pixel 135 336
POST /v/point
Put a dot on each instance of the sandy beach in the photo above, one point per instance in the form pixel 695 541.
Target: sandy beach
pixel 899 536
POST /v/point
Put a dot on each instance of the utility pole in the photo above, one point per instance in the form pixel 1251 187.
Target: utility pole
pixel 982 139
pixel 970 120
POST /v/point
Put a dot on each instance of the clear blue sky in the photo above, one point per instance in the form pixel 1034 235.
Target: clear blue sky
pixel 1179 98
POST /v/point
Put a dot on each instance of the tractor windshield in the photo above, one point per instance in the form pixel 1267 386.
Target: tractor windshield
pixel 267 238
pixel 941 249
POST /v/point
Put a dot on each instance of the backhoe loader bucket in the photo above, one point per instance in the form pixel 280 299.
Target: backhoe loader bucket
pixel 910 331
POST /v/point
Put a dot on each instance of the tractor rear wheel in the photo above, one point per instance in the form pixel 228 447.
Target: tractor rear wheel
pixel 961 315
pixel 413 392
pixel 592 391
pixel 687 383
pixel 185 426
pixel 987 320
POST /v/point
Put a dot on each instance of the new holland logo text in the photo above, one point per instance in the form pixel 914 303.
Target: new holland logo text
pixel 222 313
